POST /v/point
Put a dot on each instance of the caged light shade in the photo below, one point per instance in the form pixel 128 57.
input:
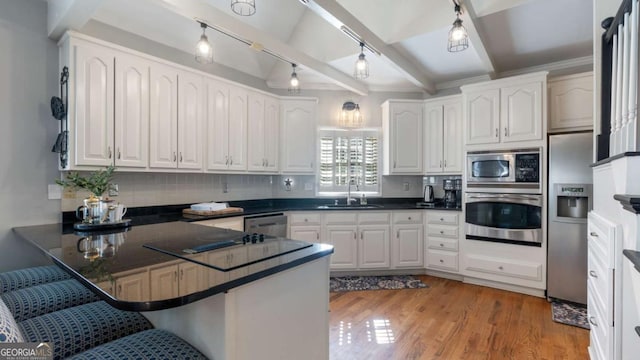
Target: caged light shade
pixel 458 37
pixel 243 7
pixel 361 69
pixel 294 82
pixel 204 50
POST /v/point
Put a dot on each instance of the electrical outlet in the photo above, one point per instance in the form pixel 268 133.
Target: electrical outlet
pixel 405 186
pixel 225 187
pixel 114 190
pixel 308 186
pixel 54 192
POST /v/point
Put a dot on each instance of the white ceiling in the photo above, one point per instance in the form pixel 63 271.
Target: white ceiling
pixel 411 35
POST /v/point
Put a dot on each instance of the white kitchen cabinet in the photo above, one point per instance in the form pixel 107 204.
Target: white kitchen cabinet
pixel 92 82
pixel 631 310
pixel 443 136
pixel 133 287
pixel 224 260
pixel 131 126
pixel 373 246
pixel 510 110
pixel 298 136
pixel 343 238
pixel 407 239
pixel 192 277
pixel 263 133
pixel 190 121
pixel 227 111
pixel 163 137
pixel 305 226
pixel 402 124
pixel 571 102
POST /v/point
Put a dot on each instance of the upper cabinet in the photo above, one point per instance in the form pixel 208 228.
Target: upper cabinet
pixel 571 103
pixel 298 136
pixel 402 132
pixel 443 136
pixel 505 111
pixel 264 125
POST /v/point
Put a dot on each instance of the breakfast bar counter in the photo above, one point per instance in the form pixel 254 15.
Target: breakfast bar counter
pixel 230 294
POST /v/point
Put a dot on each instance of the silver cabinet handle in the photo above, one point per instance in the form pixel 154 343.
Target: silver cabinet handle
pixel 226 159
pixel 497 132
pixel 592 321
pixel 180 156
pixel 441 245
pixel 355 236
pixel 594 234
pixel 175 157
pixel 593 274
pixel 118 153
pixel 361 235
pixel 181 274
pixel 175 275
pixel 440 163
pixel 119 289
pixel 317 236
pixel 398 234
pixel 505 132
pixel 109 151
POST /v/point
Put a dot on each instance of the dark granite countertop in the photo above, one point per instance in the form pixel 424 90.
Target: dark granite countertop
pixel 98 257
pixel 634 257
pixel 160 214
pixel 629 202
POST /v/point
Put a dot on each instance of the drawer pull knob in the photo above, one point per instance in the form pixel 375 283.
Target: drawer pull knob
pixel 305 220
pixel 500 267
pixel 441 245
pixel 594 234
pixel 441 219
pixel 592 321
pixel 409 217
pixel 441 231
pixel 442 261
pixel 593 274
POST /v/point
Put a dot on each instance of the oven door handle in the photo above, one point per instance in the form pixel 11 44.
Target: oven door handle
pixel 511 198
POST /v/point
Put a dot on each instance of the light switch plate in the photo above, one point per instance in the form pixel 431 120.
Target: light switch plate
pixel 308 186
pixel 54 191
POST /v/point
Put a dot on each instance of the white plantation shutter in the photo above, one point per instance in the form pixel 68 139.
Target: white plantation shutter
pixel 348 155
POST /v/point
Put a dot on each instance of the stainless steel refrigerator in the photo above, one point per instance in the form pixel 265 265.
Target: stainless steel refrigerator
pixel 569 200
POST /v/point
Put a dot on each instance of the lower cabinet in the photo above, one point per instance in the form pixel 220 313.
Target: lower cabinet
pixel 408 240
pixel 178 279
pixel 305 226
pixel 374 246
pixel 442 240
pixel 225 260
pixel 345 244
pixel 133 287
pixel 231 223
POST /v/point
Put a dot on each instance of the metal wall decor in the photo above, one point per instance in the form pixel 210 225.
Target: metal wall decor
pixel 59 108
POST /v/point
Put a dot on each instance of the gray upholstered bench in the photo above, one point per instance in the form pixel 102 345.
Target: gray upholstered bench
pixel 19 279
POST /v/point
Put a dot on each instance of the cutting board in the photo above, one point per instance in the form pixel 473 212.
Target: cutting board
pixel 229 210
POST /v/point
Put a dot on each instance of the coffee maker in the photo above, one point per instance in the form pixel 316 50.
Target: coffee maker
pixel 452 193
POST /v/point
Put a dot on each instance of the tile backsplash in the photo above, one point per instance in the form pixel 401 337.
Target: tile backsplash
pixel 148 189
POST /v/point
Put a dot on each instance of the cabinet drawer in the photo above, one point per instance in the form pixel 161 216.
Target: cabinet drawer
pixel 442 231
pixel 373 218
pixel 442 218
pixel 407 217
pixel 600 280
pixel 506 267
pixel 601 333
pixel 304 219
pixel 442 244
pixel 444 260
pixel 341 218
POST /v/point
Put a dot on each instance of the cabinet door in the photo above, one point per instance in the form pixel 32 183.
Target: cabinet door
pixel 238 108
pixel 217 125
pixel 571 103
pixel 94 85
pixel 406 138
pixel 305 233
pixel 521 112
pixel 298 136
pixel 374 247
pixel 192 277
pixel 407 246
pixel 433 139
pixel 452 139
pixel 190 121
pixel 132 112
pixel 256 132
pixel 133 287
pixel 482 117
pixel 164 282
pixel 343 239
pixel 163 128
pixel 271 134
pixel 220 259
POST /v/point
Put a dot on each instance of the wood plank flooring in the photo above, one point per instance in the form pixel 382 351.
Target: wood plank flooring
pixel 449 320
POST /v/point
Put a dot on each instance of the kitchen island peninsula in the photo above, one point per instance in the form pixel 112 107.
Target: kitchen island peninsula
pixel 231 295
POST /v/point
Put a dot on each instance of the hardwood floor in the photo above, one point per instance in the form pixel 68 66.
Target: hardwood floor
pixel 449 320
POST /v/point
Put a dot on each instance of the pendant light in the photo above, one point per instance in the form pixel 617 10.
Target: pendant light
pixel 294 83
pixel 243 7
pixel 361 70
pixel 350 116
pixel 458 37
pixel 204 50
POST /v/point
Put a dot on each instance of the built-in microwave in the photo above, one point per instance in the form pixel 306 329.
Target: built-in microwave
pixel 504 171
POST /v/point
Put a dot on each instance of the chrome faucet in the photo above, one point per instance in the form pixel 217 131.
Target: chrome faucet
pixel 351 200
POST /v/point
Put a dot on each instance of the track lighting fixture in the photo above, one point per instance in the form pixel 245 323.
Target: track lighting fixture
pixel 204 50
pixel 294 83
pixel 361 70
pixel 458 37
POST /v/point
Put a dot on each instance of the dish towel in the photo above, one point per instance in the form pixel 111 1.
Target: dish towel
pixel 212 206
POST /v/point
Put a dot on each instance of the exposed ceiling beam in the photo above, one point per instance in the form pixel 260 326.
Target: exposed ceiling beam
pixel 338 16
pixel 468 16
pixel 196 9
pixel 69 14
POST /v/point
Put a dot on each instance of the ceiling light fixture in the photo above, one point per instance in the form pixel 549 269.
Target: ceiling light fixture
pixel 204 50
pixel 243 7
pixel 294 83
pixel 361 70
pixel 458 37
pixel 350 116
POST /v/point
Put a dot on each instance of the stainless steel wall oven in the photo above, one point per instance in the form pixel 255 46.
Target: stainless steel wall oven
pixel 506 218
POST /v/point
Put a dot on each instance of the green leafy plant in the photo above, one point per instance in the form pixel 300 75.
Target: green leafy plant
pixel 97 182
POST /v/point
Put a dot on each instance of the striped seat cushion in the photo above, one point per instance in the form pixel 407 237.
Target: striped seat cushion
pixel 82 327
pixel 41 299
pixel 9 331
pixel 149 344
pixel 18 279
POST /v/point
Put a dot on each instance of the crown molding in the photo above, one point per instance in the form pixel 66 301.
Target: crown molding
pixel 551 67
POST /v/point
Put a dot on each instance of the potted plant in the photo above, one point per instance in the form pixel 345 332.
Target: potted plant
pixel 97 182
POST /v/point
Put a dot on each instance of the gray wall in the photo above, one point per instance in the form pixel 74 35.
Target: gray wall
pixel 28 69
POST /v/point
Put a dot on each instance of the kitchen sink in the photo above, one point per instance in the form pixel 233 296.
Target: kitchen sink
pixel 353 206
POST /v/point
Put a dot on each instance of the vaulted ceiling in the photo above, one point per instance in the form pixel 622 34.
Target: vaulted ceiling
pixel 410 35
